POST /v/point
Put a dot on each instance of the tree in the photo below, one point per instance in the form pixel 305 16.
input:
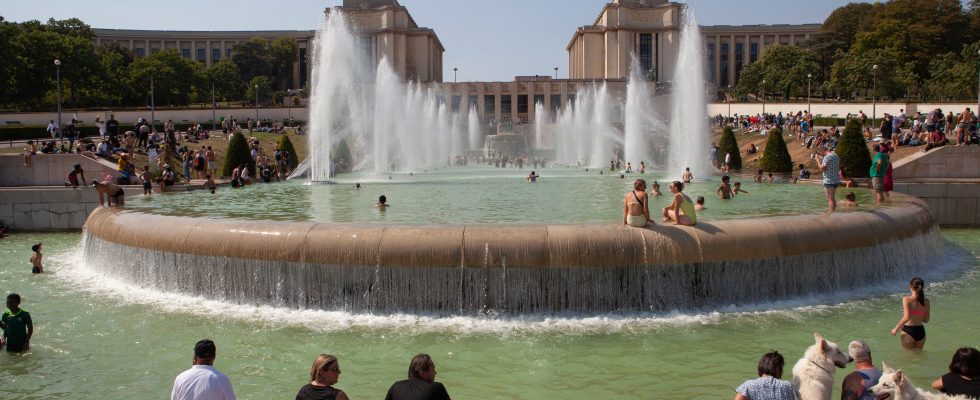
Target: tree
pixel 728 145
pixel 775 157
pixel 855 159
pixel 283 54
pixel 252 59
pixel 264 89
pixel 784 69
pixel 174 77
pixel 224 75
pixel 238 154
pixel 286 145
pixel 838 33
pixel 856 71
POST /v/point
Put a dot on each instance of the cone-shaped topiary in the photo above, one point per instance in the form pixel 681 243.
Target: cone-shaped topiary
pixel 729 145
pixel 775 157
pixel 855 159
pixel 287 145
pixel 238 154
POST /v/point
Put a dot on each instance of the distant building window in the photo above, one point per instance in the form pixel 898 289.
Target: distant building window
pixel 710 53
pixel 303 62
pixel 739 59
pixel 646 52
pixel 139 52
pixel 456 102
pixel 571 100
pixel 228 52
pixel 201 55
pixel 471 101
pixel 215 55
pixel 538 99
pixel 555 103
pixel 489 104
pixel 724 64
pixel 753 52
pixel 505 102
pixel 522 104
pixel 186 53
pixel 154 51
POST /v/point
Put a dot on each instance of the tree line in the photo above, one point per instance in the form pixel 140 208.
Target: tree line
pixel 925 50
pixel 110 75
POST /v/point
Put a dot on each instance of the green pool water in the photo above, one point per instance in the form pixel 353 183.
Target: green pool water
pixel 100 339
pixel 479 195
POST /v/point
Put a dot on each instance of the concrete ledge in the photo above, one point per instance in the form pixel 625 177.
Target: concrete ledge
pixel 49 169
pixel 46 208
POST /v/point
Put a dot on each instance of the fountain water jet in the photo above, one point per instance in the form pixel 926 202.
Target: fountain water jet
pixel 688 124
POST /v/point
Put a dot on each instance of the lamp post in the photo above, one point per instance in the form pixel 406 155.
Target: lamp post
pixel 763 97
pixel 256 105
pixel 213 111
pixel 874 94
pixel 978 87
pixel 730 97
pixel 556 72
pixel 808 77
pixel 289 109
pixel 454 74
pixel 57 71
pixel 153 119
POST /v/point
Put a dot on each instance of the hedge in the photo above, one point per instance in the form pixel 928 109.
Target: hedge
pixel 24 132
pixel 238 153
pixel 775 157
pixel 855 159
pixel 287 145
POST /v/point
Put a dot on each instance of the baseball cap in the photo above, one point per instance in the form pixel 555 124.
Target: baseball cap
pixel 859 350
pixel 204 349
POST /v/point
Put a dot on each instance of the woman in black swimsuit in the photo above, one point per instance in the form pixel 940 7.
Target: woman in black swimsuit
pixel 915 314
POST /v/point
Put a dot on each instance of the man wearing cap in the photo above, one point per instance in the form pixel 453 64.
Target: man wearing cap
pixel 202 381
pixel 857 384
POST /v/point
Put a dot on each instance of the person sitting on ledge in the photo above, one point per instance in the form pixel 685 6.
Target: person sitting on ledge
pixel 421 382
pixel 110 194
pixel 850 200
pixel 323 375
pixel 681 211
pixel 636 207
pixel 382 203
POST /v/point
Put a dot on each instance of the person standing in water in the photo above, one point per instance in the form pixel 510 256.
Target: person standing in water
pixel 382 203
pixel 636 206
pixel 681 211
pixel 687 177
pixel 915 314
pixel 36 258
pixel 17 325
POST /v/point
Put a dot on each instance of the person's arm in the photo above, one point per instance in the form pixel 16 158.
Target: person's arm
pixel 341 395
pixel 938 384
pixel 646 206
pixel 227 391
pixel 625 210
pixel 30 328
pixel 101 198
pixel 739 396
pixel 925 319
pixel 905 316
pixel 676 206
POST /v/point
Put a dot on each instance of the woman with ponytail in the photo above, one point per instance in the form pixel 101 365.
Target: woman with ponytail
pixel 915 314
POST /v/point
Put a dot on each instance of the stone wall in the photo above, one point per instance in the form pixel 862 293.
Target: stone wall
pixel 49 169
pixel 46 209
pixel 947 179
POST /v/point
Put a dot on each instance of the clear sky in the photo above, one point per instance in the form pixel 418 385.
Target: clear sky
pixel 488 40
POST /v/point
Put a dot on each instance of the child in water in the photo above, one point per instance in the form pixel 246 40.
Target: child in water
pixel 699 204
pixel 738 189
pixel 656 190
pixel 36 258
pixel 724 190
pixel 147 180
pixel 850 200
pixel 210 183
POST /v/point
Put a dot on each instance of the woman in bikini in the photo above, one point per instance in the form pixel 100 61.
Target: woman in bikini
pixel 681 211
pixel 636 206
pixel 915 313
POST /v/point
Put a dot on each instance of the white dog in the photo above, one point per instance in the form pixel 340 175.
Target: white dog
pixel 894 385
pixel 813 375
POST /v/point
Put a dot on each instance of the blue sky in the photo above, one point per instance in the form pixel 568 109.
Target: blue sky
pixel 486 39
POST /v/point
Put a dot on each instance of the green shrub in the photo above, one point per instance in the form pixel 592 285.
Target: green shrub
pixel 775 157
pixel 342 158
pixel 287 145
pixel 238 154
pixel 828 121
pixel 855 159
pixel 729 145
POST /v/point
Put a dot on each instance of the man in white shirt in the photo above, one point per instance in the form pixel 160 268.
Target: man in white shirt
pixel 202 381
pixel 53 129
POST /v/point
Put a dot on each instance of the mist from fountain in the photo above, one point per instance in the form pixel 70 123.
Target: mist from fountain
pixel 585 133
pixel 688 123
pixel 540 119
pixel 473 129
pixel 639 122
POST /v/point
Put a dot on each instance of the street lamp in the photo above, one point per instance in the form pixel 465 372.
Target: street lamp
pixel 556 72
pixel 57 71
pixel 214 112
pixel 978 87
pixel 763 97
pixel 729 99
pixel 454 74
pixel 808 77
pixel 874 94
pixel 256 105
pixel 153 107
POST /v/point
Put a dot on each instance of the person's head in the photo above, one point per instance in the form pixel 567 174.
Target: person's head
pixel 738 184
pixel 801 166
pixel 771 364
pixel 966 362
pixel 688 169
pixel 382 199
pixel 876 148
pixel 13 301
pixel 760 172
pixel 77 167
pixel 770 174
pixel 676 187
pixel 859 351
pixel 325 370
pixel 850 196
pixel 638 184
pixel 700 200
pixel 95 183
pixel 204 352
pixel 917 286
pixel 422 368
pixel 208 177
pixel 725 178
pixel 36 247
pixel 655 185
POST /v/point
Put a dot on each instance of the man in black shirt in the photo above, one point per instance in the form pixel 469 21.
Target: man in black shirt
pixel 112 126
pixel 421 383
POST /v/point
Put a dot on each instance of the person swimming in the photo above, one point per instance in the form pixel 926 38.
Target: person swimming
pixel 738 189
pixel 656 189
pixel 699 204
pixel 850 200
pixel 382 202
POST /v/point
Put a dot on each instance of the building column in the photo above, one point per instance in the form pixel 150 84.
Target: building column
pixel 747 53
pixel 731 59
pixel 717 60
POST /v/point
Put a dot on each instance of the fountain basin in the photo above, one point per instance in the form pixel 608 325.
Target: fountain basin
pixel 513 269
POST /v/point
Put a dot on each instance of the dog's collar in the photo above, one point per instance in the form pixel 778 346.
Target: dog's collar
pixel 818 366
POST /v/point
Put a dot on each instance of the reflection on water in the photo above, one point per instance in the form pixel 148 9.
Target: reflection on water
pixel 479 195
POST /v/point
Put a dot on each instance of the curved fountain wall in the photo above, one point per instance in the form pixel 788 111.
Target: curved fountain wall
pixel 550 269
